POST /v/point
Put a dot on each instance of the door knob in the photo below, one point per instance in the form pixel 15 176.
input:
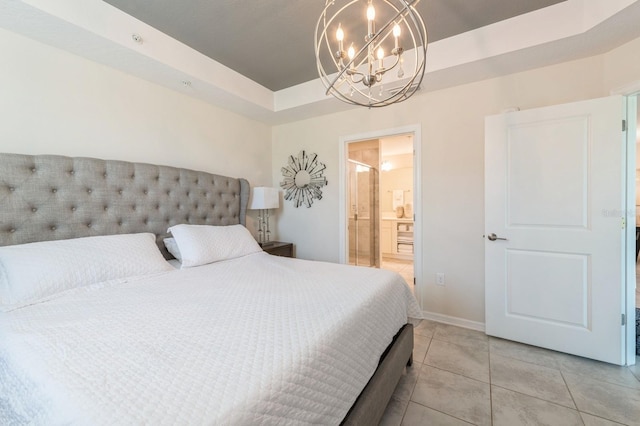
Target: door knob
pixel 493 237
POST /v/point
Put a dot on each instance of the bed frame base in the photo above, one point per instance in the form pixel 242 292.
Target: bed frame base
pixel 372 402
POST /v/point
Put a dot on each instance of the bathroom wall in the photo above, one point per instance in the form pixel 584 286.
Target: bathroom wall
pixel 399 177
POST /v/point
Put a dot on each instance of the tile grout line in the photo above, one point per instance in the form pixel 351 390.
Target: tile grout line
pixel 571 395
pixel 441 412
pixel 416 383
pixel 539 399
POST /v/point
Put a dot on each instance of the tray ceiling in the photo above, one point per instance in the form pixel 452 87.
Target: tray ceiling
pixel 271 42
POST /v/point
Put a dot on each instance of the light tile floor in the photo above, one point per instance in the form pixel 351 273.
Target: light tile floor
pixel 403 267
pixel 462 377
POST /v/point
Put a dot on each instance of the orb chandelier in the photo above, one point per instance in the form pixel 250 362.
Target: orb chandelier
pixel 355 57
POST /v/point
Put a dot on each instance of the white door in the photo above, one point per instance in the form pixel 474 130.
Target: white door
pixel 554 189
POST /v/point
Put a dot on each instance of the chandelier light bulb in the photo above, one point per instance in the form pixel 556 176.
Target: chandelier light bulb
pixel 397 31
pixel 354 82
pixel 371 12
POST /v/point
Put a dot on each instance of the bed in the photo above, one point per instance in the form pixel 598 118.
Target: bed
pixel 249 338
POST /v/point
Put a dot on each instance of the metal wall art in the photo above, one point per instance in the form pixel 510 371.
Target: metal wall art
pixel 303 179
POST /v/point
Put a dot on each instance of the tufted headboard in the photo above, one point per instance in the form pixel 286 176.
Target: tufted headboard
pixel 46 197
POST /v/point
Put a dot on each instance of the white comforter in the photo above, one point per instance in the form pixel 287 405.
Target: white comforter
pixel 255 340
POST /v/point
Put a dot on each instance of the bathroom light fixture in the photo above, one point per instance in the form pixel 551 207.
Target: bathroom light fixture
pixel 356 75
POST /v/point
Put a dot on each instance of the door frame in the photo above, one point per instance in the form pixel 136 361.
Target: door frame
pixel 631 92
pixel 416 131
pixel 630 234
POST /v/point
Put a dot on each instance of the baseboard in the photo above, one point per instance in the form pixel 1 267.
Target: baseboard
pixel 460 322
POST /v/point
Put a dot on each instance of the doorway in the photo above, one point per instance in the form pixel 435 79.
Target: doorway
pixel 389 161
pixel 636 166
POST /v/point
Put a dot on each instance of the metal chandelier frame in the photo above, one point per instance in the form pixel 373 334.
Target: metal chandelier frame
pixel 359 81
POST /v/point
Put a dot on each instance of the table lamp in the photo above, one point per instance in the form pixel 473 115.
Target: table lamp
pixel 263 199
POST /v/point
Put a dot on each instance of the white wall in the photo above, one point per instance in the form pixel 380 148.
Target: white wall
pixel 452 123
pixel 53 102
pixel 56 103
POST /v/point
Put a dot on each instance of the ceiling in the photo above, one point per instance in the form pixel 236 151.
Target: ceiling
pixel 271 42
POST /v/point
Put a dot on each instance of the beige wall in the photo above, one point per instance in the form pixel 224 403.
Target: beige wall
pixel 452 163
pixel 57 103
pixel 53 102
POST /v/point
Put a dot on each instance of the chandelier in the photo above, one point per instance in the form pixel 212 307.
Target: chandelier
pixel 361 74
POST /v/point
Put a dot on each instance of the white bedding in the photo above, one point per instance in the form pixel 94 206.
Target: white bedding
pixel 255 340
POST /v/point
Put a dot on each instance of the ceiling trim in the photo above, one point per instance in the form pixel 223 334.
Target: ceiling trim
pixel 100 32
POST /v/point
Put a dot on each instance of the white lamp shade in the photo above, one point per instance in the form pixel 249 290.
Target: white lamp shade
pixel 263 197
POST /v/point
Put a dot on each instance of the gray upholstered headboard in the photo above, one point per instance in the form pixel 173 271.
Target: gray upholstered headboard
pixel 46 197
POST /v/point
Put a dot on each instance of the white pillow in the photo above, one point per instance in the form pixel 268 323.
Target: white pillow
pixel 202 244
pixel 29 272
pixel 172 247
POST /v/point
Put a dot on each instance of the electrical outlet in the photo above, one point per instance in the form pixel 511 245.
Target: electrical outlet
pixel 440 278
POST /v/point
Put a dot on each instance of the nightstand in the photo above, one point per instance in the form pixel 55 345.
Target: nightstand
pixel 278 248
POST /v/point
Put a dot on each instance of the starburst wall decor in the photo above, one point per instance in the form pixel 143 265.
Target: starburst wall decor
pixel 303 179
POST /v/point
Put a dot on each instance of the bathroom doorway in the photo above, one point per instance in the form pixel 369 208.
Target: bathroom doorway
pixel 380 190
pixel 407 261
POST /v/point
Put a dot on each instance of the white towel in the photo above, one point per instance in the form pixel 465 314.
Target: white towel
pixel 398 198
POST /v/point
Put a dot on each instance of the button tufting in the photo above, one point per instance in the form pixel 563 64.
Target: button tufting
pixel 53 228
pixel 34 210
pixel 11 188
pixel 145 192
pixel 73 209
pixel 89 225
pixel 33 170
pixel 12 230
pixel 72 172
pixel 89 191
pixel 54 190
pixel 120 191
pixel 106 208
